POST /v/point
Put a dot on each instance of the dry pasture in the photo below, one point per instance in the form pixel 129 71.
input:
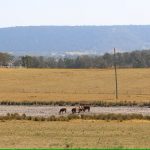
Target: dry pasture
pixel 75 133
pixel 73 85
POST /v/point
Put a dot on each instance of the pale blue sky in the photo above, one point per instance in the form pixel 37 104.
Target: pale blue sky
pixel 74 12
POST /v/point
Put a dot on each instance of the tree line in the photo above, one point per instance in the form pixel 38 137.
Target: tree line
pixel 135 59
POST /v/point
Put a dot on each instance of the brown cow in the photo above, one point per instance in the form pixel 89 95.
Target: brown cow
pixel 74 110
pixel 62 110
pixel 86 108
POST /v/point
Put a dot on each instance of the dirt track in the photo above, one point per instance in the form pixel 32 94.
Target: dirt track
pixel 53 110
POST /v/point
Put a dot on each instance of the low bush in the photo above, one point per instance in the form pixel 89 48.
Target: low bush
pixel 72 116
pixel 92 103
pixel 51 118
pixel 107 117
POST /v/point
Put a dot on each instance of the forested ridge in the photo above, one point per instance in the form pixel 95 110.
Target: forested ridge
pixel 44 40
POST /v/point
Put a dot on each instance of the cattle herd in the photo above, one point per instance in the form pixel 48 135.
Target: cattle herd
pixel 75 109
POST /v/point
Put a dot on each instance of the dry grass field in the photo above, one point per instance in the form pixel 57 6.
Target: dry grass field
pixel 75 133
pixel 73 84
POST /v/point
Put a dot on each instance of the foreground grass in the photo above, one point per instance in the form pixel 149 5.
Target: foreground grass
pixel 75 133
pixel 73 85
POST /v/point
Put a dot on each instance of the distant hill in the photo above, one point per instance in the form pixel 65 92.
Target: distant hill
pixel 46 40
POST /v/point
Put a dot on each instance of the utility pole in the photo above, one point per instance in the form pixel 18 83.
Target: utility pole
pixel 116 80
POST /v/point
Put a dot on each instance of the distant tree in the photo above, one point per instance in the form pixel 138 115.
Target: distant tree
pixel 108 60
pixel 69 63
pixel 17 61
pixel 5 59
pixel 27 61
pixel 50 62
pixel 60 63
pixel 133 59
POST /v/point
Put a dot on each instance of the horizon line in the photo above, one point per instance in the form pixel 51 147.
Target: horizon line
pixel 75 25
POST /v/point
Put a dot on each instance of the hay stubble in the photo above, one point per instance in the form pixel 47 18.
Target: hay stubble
pixel 73 84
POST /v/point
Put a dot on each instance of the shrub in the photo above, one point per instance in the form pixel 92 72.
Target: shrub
pixel 92 103
pixel 23 116
pixel 52 118
pixel 28 118
pixel 62 118
pixel 35 119
pixel 72 116
pixel 108 117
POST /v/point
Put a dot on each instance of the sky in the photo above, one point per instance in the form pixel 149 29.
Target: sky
pixel 74 12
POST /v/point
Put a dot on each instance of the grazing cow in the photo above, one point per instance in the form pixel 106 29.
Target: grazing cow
pixel 86 108
pixel 80 109
pixel 62 110
pixel 74 110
